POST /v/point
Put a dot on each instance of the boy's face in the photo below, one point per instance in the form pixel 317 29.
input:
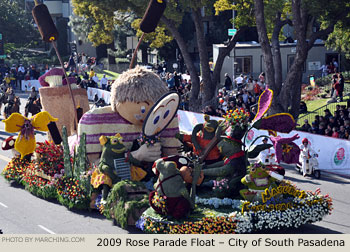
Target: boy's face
pixel 134 112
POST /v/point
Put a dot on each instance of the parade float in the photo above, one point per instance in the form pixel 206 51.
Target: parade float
pixel 204 182
pixel 190 194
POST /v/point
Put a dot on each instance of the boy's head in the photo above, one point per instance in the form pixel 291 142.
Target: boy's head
pixel 134 93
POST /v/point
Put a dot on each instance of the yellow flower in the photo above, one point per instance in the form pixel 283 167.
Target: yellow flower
pixel 25 142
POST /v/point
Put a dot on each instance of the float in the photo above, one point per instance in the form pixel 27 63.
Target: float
pixel 111 162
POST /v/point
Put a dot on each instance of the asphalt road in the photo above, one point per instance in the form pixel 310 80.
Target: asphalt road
pixel 24 213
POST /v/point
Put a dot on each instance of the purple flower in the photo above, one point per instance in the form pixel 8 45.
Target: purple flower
pixel 264 103
pixel 140 223
pixel 286 150
pixel 282 122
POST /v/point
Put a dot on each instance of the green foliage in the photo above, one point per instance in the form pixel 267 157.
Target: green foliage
pixel 157 38
pixel 15 24
pixel 66 154
pixel 119 206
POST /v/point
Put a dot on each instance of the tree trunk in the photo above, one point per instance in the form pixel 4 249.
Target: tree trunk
pixel 266 51
pixel 223 52
pixel 188 61
pixel 111 57
pixel 208 86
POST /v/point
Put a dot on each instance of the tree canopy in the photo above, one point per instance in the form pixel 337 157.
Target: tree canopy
pixel 16 24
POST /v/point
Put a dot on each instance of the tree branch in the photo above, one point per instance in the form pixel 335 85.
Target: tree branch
pixel 223 52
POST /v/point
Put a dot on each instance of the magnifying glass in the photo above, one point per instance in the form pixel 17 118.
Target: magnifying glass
pixel 159 117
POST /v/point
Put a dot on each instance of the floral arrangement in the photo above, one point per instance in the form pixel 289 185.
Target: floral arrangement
pixel 148 141
pixel 49 157
pixel 237 117
pixel 71 193
pixel 220 187
pixel 15 169
pixel 38 183
pixel 216 202
pixel 310 209
pixel 159 201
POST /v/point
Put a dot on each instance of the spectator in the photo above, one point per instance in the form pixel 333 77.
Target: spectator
pixel 335 64
pixel 324 69
pixel 341 86
pixel 321 129
pixel 239 81
pixel 302 108
pixel 170 81
pixel 306 126
pixel 104 82
pixel 92 73
pixel 95 80
pixel 341 132
pixel 327 114
pixel 228 82
pixel 71 63
pixel 335 133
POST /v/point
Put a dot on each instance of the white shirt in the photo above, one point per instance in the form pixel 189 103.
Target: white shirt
pixel 104 81
pixel 324 68
pixel 239 80
pixel 305 152
pixel 21 69
pixel 95 79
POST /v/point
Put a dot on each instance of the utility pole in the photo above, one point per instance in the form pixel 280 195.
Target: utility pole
pixel 233 27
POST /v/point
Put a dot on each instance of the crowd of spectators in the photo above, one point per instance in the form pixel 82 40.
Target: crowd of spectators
pixel 13 75
pixel 333 125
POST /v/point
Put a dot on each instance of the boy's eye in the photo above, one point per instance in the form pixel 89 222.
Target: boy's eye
pixel 143 109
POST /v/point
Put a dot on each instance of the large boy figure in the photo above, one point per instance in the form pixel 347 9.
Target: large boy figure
pixel 132 95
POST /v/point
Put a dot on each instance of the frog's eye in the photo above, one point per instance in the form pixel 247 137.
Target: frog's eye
pixel 253 169
pixel 263 168
pixel 114 141
pixel 143 109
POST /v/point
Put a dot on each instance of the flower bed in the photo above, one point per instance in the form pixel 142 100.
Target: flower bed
pixel 235 216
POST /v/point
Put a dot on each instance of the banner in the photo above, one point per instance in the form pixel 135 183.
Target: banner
pixel 187 120
pixel 333 153
pixel 105 95
pixel 27 85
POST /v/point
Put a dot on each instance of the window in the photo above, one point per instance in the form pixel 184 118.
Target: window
pixel 243 65
pixel 290 60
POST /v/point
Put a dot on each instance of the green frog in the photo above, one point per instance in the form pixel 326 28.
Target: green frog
pixel 113 165
pixel 170 197
pixel 257 181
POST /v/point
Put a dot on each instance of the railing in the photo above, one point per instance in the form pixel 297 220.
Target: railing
pixel 320 111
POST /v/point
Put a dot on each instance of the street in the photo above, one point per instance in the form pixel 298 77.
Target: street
pixel 24 213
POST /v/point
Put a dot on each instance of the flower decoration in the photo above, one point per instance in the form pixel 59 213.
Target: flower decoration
pixel 15 169
pixel 71 193
pixel 148 141
pixel 159 201
pixel 25 142
pixel 237 117
pixel 286 150
pixel 264 103
pixel 313 207
pixel 282 122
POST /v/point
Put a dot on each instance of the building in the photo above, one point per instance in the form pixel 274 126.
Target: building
pixel 247 59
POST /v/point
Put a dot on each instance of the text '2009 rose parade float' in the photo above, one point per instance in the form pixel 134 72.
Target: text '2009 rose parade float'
pixel 111 160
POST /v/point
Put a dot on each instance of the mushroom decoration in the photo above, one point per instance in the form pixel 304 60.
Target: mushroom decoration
pixel 55 78
pixel 9 144
pixel 56 99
